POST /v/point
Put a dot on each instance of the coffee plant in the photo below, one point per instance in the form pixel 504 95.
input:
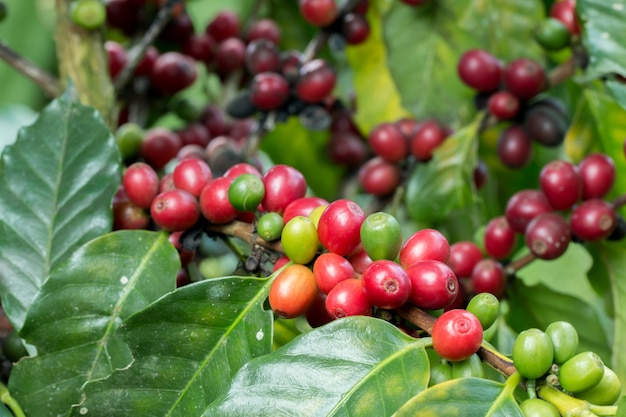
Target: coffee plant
pixel 312 208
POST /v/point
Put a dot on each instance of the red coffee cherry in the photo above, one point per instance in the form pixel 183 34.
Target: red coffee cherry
pixel 186 255
pixel 173 72
pixel 316 81
pixel 200 47
pixel 141 184
pixel 593 219
pixel 262 56
pixel 283 184
pixel 224 25
pixel 387 141
pixel 464 256
pixel 330 269
pixel 488 276
pixel 514 147
pixel 339 227
pixel 523 206
pixel 347 148
pixel 159 146
pixel 194 134
pixel 147 62
pixel 318 12
pixel 524 77
pixel 480 70
pixel 565 12
pixel 457 335
pixel 264 29
pixel 426 244
pixel 597 172
pixel 503 104
pixel 561 183
pixel 175 210
pixel 386 284
pixel 117 58
pixel 214 202
pixel 348 299
pixel 548 236
pixel 269 90
pixel 500 238
pixel 427 137
pixel 293 291
pixel 355 28
pixel 434 285
pixel 192 175
pixel 128 216
pixel 302 207
pixel 379 177
pixel 230 55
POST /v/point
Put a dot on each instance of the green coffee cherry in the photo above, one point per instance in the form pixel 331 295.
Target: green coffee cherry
pixel 470 367
pixel 486 307
pixel 536 407
pixel 532 353
pixel 606 392
pixel 552 35
pixel 381 236
pixel 440 372
pixel 88 14
pixel 246 192
pixel 129 137
pixel 564 338
pixel 13 347
pixel 581 373
pixel 300 240
pixel 270 226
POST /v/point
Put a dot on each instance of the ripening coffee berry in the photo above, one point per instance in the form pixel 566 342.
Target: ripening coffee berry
pixel 117 58
pixel 192 175
pixel 386 284
pixel 347 298
pixel 379 177
pixel 545 125
pixel 299 239
pixel 293 291
pixel 319 12
pixel 561 183
pixel 480 70
pixel 548 236
pixel 230 55
pixel 457 335
pixel 499 238
pixel 215 203
pixel 159 146
pixel 565 12
pixel 339 226
pixel 425 244
pixel 173 72
pixel 316 81
pixel 514 147
pixel 355 28
pixel 503 105
pixel 434 285
pixel 597 172
pixel 464 256
pixel 141 184
pixel 269 90
pixel 426 137
pixel 387 141
pixel 381 236
pixel 262 55
pixel 175 210
pixel 488 276
pixel 129 137
pixel 593 219
pixel 224 25
pixel 264 29
pixel 302 207
pixel 523 206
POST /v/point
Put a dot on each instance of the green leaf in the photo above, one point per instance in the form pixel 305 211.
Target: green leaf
pixel 290 143
pixel 74 316
pixel 4 411
pixel 377 96
pixel 621 408
pixel 467 397
pixel 357 366
pixel 445 183
pixel 12 118
pixel 186 347
pixel 56 186
pixel 618 90
pixel 603 35
pixel 538 306
pixel 424 45
pixel 598 126
pixel 612 257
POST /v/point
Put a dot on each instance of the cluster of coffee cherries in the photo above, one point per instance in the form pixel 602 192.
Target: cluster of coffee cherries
pixel 351 26
pixel 560 28
pixel 510 92
pixel 552 358
pixel 578 190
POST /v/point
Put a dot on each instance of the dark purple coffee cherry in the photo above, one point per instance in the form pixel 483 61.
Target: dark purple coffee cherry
pixel 514 147
pixel 547 236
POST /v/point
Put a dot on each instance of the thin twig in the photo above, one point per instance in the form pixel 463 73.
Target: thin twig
pixel 245 232
pixel 137 52
pixel 46 81
pixel 618 202
pixel 518 264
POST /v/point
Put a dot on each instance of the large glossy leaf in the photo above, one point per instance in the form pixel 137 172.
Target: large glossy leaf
pixel 538 306
pixel 603 35
pixel 358 366
pixel 611 261
pixel 467 397
pixel 12 118
pixel 425 43
pixel 598 126
pixel 56 186
pixel 186 348
pixel 378 99
pixel 445 183
pixel 73 318
pixel 292 144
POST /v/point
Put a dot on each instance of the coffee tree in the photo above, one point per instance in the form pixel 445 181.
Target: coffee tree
pixel 316 208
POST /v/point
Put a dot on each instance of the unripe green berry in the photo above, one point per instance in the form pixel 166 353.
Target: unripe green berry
pixel 536 407
pixel 532 353
pixel 581 373
pixel 564 338
pixel 440 372
pixel 246 192
pixel 552 35
pixel 381 236
pixel 606 392
pixel 129 137
pixel 486 307
pixel 300 240
pixel 270 226
pixel 470 367
pixel 88 14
